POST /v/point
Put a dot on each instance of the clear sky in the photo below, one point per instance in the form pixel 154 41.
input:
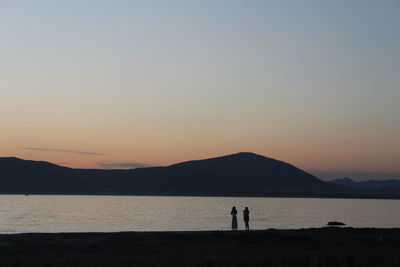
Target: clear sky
pixel 124 83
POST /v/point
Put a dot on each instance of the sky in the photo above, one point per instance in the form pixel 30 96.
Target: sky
pixel 120 84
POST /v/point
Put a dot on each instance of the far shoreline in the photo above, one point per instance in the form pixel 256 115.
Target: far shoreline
pixel 266 195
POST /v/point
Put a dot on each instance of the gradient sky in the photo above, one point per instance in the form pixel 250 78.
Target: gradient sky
pixel 125 83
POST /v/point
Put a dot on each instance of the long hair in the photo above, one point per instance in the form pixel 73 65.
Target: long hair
pixel 233 210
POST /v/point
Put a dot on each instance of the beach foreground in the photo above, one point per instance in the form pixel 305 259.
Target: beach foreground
pixel 304 247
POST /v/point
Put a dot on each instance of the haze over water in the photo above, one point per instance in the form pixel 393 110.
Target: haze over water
pixel 62 213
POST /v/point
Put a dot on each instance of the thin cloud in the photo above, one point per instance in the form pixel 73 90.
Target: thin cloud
pixel 123 165
pixel 62 151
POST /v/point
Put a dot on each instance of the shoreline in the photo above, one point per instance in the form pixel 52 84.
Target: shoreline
pixel 328 246
pixel 284 231
pixel 271 195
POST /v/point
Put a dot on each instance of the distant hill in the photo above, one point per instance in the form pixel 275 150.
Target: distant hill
pixel 237 174
pixel 345 181
pixel 387 185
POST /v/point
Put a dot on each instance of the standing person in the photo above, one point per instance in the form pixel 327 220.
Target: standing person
pixel 234 219
pixel 246 217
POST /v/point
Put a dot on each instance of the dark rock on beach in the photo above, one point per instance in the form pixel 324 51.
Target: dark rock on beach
pixel 306 247
pixel 335 224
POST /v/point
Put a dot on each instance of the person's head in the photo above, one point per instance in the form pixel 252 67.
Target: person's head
pixel 246 208
pixel 234 208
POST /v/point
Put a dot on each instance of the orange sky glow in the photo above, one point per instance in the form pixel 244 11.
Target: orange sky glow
pixel 119 85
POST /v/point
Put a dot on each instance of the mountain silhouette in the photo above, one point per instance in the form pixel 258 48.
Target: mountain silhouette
pixel 370 184
pixel 241 172
pixel 345 181
pixel 237 174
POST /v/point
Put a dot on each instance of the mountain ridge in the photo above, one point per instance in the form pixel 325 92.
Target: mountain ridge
pixel 242 173
pixel 369 184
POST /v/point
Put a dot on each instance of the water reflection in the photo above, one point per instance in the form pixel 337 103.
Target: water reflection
pixel 40 213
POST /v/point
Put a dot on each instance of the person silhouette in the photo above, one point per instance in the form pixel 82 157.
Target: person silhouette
pixel 234 219
pixel 246 217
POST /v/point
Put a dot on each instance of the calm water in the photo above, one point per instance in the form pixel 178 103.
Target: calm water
pixel 39 213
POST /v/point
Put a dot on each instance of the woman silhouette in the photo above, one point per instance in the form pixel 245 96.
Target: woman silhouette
pixel 246 217
pixel 234 219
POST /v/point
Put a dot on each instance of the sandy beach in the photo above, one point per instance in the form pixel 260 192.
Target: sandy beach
pixel 304 247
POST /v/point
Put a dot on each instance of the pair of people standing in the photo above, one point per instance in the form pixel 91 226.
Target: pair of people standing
pixel 246 218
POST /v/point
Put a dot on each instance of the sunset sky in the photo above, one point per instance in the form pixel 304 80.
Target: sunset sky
pixel 119 84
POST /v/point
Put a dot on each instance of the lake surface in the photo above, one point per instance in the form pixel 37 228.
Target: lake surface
pixel 59 213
